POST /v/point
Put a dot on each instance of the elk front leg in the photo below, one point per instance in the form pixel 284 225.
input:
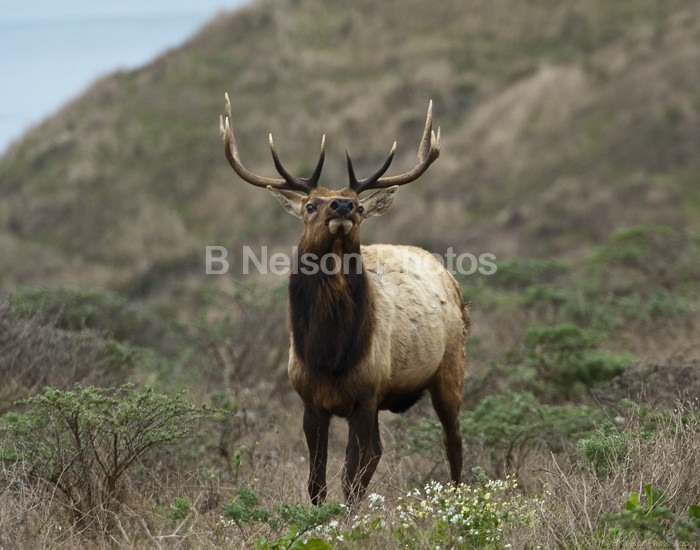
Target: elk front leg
pixel 316 424
pixel 363 452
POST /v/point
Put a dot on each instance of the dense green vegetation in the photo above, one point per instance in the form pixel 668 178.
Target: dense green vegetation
pixel 569 151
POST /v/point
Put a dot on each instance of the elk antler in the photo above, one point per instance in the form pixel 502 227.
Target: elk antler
pixel 288 181
pixel 428 152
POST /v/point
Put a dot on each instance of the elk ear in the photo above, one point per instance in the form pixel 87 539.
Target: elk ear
pixel 290 200
pixel 378 203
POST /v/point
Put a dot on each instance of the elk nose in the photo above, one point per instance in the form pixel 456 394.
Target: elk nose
pixel 342 206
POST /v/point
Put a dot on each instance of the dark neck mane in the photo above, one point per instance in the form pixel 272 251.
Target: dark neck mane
pixel 330 317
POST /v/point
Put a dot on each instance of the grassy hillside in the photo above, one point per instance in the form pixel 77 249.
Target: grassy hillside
pixel 570 139
pixel 560 124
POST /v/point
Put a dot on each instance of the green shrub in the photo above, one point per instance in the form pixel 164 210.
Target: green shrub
pixel 654 517
pixel 592 309
pixel 245 508
pixel 564 361
pixel 288 525
pixel 649 419
pixel 599 310
pixel 178 511
pixel 82 443
pixel 543 295
pixel 560 339
pixel 506 428
pixel 604 449
pixel 609 446
pixel 511 425
pixel 657 304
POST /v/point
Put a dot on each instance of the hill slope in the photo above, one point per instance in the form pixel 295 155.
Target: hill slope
pixel 560 123
pixel 570 133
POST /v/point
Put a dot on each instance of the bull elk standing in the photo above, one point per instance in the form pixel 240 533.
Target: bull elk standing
pixel 374 334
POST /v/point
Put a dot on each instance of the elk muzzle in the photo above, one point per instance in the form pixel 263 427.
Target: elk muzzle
pixel 342 212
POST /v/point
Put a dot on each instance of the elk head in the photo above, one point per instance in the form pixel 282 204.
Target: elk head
pixel 333 215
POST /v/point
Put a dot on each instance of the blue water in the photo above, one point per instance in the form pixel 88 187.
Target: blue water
pixel 51 50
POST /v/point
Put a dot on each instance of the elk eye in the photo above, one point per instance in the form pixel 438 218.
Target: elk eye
pixel 360 209
pixel 310 208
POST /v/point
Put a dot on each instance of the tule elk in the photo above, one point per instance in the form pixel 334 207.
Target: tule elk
pixel 372 327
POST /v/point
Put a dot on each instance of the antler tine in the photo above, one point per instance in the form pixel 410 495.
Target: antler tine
pixel 288 181
pixel 313 180
pixel 428 152
pixel 289 178
pixel 351 171
pixel 233 156
pixel 302 184
pixel 367 183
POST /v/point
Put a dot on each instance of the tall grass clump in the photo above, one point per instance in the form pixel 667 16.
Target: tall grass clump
pixel 592 499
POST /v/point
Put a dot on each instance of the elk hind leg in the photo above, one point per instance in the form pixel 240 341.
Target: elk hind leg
pixel 446 395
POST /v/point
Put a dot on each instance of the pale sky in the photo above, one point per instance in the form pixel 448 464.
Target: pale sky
pixel 51 50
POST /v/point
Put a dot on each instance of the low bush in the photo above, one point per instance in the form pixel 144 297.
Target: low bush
pixel 80 444
pixel 654 518
pixel 605 449
pixel 504 431
pixel 282 526
pixel 509 427
pixel 561 362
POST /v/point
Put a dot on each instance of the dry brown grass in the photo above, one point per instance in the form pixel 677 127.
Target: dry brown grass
pixel 575 498
pixel 33 354
pixel 571 497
